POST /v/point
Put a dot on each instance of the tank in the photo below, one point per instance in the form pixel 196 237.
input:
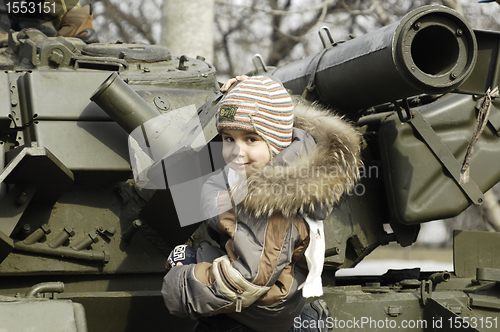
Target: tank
pixel 83 241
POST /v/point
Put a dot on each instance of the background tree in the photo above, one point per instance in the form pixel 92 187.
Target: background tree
pixel 279 30
pixel 129 21
pixel 190 21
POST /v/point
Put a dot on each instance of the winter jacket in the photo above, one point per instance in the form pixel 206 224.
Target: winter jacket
pixel 255 276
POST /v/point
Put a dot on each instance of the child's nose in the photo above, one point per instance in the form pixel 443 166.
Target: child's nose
pixel 237 150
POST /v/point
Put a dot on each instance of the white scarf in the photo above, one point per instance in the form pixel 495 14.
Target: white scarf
pixel 315 257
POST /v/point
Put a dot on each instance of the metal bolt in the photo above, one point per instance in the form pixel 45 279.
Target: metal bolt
pixel 62 237
pixel 23 197
pixel 56 57
pixel 110 231
pixel 26 228
pixel 86 242
pixel 45 229
pixel 332 251
pixel 393 311
pixel 93 237
pixel 70 231
pixel 130 232
pixel 24 231
pixel 453 76
pixel 459 32
pixel 417 25
pixel 37 235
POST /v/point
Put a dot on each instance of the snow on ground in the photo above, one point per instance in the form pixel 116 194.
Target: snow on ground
pixel 379 267
pixel 431 234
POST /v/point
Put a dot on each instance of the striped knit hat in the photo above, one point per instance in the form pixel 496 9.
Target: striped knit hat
pixel 259 104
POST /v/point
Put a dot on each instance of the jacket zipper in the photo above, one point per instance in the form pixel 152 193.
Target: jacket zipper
pixel 239 302
pixel 239 292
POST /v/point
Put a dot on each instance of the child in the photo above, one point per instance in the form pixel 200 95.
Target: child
pixel 288 167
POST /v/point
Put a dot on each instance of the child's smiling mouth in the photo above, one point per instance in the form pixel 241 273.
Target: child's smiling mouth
pixel 240 165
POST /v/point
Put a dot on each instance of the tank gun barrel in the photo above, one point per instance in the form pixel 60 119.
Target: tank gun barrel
pixel 122 103
pixel 136 117
pixel 431 50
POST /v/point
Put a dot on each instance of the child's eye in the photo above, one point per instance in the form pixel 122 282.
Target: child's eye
pixel 251 139
pixel 228 139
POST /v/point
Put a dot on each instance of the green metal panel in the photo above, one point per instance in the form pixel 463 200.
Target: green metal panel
pixel 419 188
pixel 128 311
pixel 4 101
pixel 473 250
pixel 485 73
pixel 72 95
pixel 353 309
pixel 40 315
pixel 97 146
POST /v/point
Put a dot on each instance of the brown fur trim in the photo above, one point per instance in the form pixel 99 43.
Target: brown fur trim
pixel 315 181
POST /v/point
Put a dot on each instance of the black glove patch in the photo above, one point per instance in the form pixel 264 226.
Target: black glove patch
pixel 183 254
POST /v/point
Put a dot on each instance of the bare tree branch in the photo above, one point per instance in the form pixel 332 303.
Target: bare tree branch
pixel 381 13
pixel 454 4
pixel 119 17
pixel 276 11
pixel 117 21
pixel 225 46
pixel 310 27
pixel 492 209
pixel 283 43
pixel 358 12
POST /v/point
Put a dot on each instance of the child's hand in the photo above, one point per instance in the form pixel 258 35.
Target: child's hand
pixel 230 82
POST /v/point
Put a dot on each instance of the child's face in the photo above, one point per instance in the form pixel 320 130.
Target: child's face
pixel 242 149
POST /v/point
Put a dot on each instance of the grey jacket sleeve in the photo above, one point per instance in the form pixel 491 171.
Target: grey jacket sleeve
pixel 186 296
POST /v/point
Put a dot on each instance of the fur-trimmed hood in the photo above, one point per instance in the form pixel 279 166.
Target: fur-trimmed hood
pixel 313 173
